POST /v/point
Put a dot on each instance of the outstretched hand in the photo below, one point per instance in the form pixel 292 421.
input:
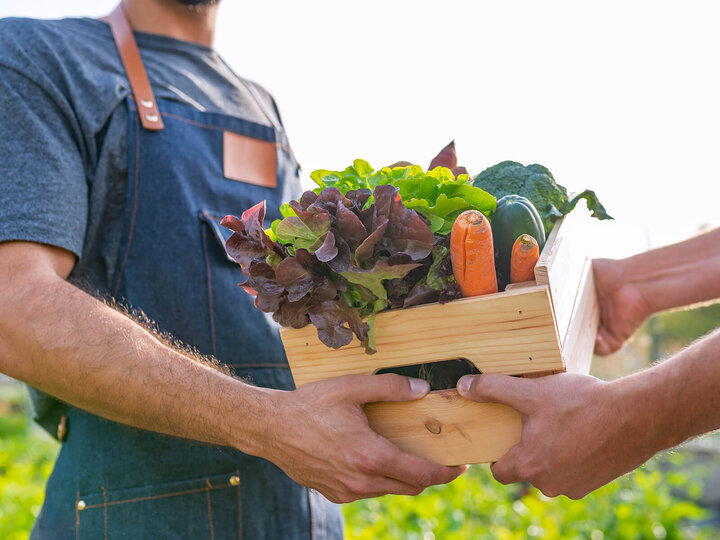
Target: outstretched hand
pixel 322 440
pixel 622 306
pixel 575 435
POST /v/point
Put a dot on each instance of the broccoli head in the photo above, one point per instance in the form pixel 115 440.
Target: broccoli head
pixel 536 183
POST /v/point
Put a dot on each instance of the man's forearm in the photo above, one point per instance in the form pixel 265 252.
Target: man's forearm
pixel 677 275
pixel 65 342
pixel 675 400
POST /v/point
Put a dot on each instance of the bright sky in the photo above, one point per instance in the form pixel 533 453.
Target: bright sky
pixel 619 97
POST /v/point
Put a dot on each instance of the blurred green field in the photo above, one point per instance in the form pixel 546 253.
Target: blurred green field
pixel 641 505
pixel 652 502
pixel 26 457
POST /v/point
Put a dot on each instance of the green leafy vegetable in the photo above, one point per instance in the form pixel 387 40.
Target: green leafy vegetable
pixel 304 234
pixel 437 194
pixel 536 183
pixel 372 278
pixel 336 258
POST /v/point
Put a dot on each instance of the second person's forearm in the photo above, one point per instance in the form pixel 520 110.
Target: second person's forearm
pixel 679 274
pixel 674 400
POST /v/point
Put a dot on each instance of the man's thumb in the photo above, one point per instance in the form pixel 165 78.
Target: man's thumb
pixel 494 388
pixel 388 387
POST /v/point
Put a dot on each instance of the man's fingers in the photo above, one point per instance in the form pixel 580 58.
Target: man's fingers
pixel 387 387
pixel 604 343
pixel 378 486
pixel 601 346
pixel 513 391
pixel 505 469
pixel 413 470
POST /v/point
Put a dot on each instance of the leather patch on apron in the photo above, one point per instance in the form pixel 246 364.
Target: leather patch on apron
pixel 249 160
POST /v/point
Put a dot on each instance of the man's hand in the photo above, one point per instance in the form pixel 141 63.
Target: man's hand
pixel 69 344
pixel 578 432
pixel 629 290
pixel 623 308
pixel 320 438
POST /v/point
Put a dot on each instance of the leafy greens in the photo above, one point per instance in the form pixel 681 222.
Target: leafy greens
pixel 536 183
pixel 339 256
pixel 436 194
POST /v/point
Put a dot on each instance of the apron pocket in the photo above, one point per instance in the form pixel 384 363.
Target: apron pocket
pixel 220 233
pixel 241 335
pixel 200 508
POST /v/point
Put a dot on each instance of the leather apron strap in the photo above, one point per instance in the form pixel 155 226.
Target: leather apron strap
pixel 130 56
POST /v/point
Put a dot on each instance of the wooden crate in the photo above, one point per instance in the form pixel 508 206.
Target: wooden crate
pixel 532 329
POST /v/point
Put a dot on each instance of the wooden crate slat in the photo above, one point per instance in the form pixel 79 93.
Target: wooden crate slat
pixel 561 265
pixel 510 333
pixel 447 429
pixel 580 340
pixel 532 329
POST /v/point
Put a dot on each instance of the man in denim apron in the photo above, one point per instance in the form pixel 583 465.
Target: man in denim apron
pixel 182 174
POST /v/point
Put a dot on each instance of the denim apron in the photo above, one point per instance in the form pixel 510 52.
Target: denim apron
pixel 114 481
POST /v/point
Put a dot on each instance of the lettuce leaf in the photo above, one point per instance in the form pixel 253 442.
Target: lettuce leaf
pixel 334 255
pixel 364 241
pixel 436 194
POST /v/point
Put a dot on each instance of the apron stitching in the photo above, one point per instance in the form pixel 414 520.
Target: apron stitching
pixel 134 211
pixel 152 497
pixel 250 87
pixel 210 295
pixel 216 128
pixel 209 506
pixel 105 509
pixel 77 516
pixel 239 515
pixel 194 122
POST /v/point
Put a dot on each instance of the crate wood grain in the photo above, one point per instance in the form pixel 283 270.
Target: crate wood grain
pixel 532 329
pixel 510 333
pixel 565 266
pixel 447 429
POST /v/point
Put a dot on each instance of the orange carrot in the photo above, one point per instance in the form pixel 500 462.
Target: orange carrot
pixel 525 255
pixel 472 254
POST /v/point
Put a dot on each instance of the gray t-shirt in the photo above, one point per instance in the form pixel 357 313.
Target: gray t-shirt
pixel 63 128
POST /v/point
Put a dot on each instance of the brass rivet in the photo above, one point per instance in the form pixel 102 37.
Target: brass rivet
pixel 152 117
pixel 81 505
pixel 62 428
pixel 234 480
pixel 146 103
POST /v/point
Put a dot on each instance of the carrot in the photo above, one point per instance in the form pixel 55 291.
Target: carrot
pixel 472 254
pixel 525 254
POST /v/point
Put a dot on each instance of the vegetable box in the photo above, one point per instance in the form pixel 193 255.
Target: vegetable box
pixel 532 329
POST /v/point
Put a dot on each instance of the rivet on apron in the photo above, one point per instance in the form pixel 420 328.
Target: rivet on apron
pixel 152 117
pixel 62 428
pixel 146 103
pixel 81 505
pixel 234 480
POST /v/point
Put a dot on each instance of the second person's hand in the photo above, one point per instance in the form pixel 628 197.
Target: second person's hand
pixel 578 432
pixel 623 308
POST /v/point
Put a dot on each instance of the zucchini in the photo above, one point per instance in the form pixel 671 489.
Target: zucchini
pixel 515 215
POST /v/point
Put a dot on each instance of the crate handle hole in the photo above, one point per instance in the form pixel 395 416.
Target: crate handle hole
pixel 441 375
